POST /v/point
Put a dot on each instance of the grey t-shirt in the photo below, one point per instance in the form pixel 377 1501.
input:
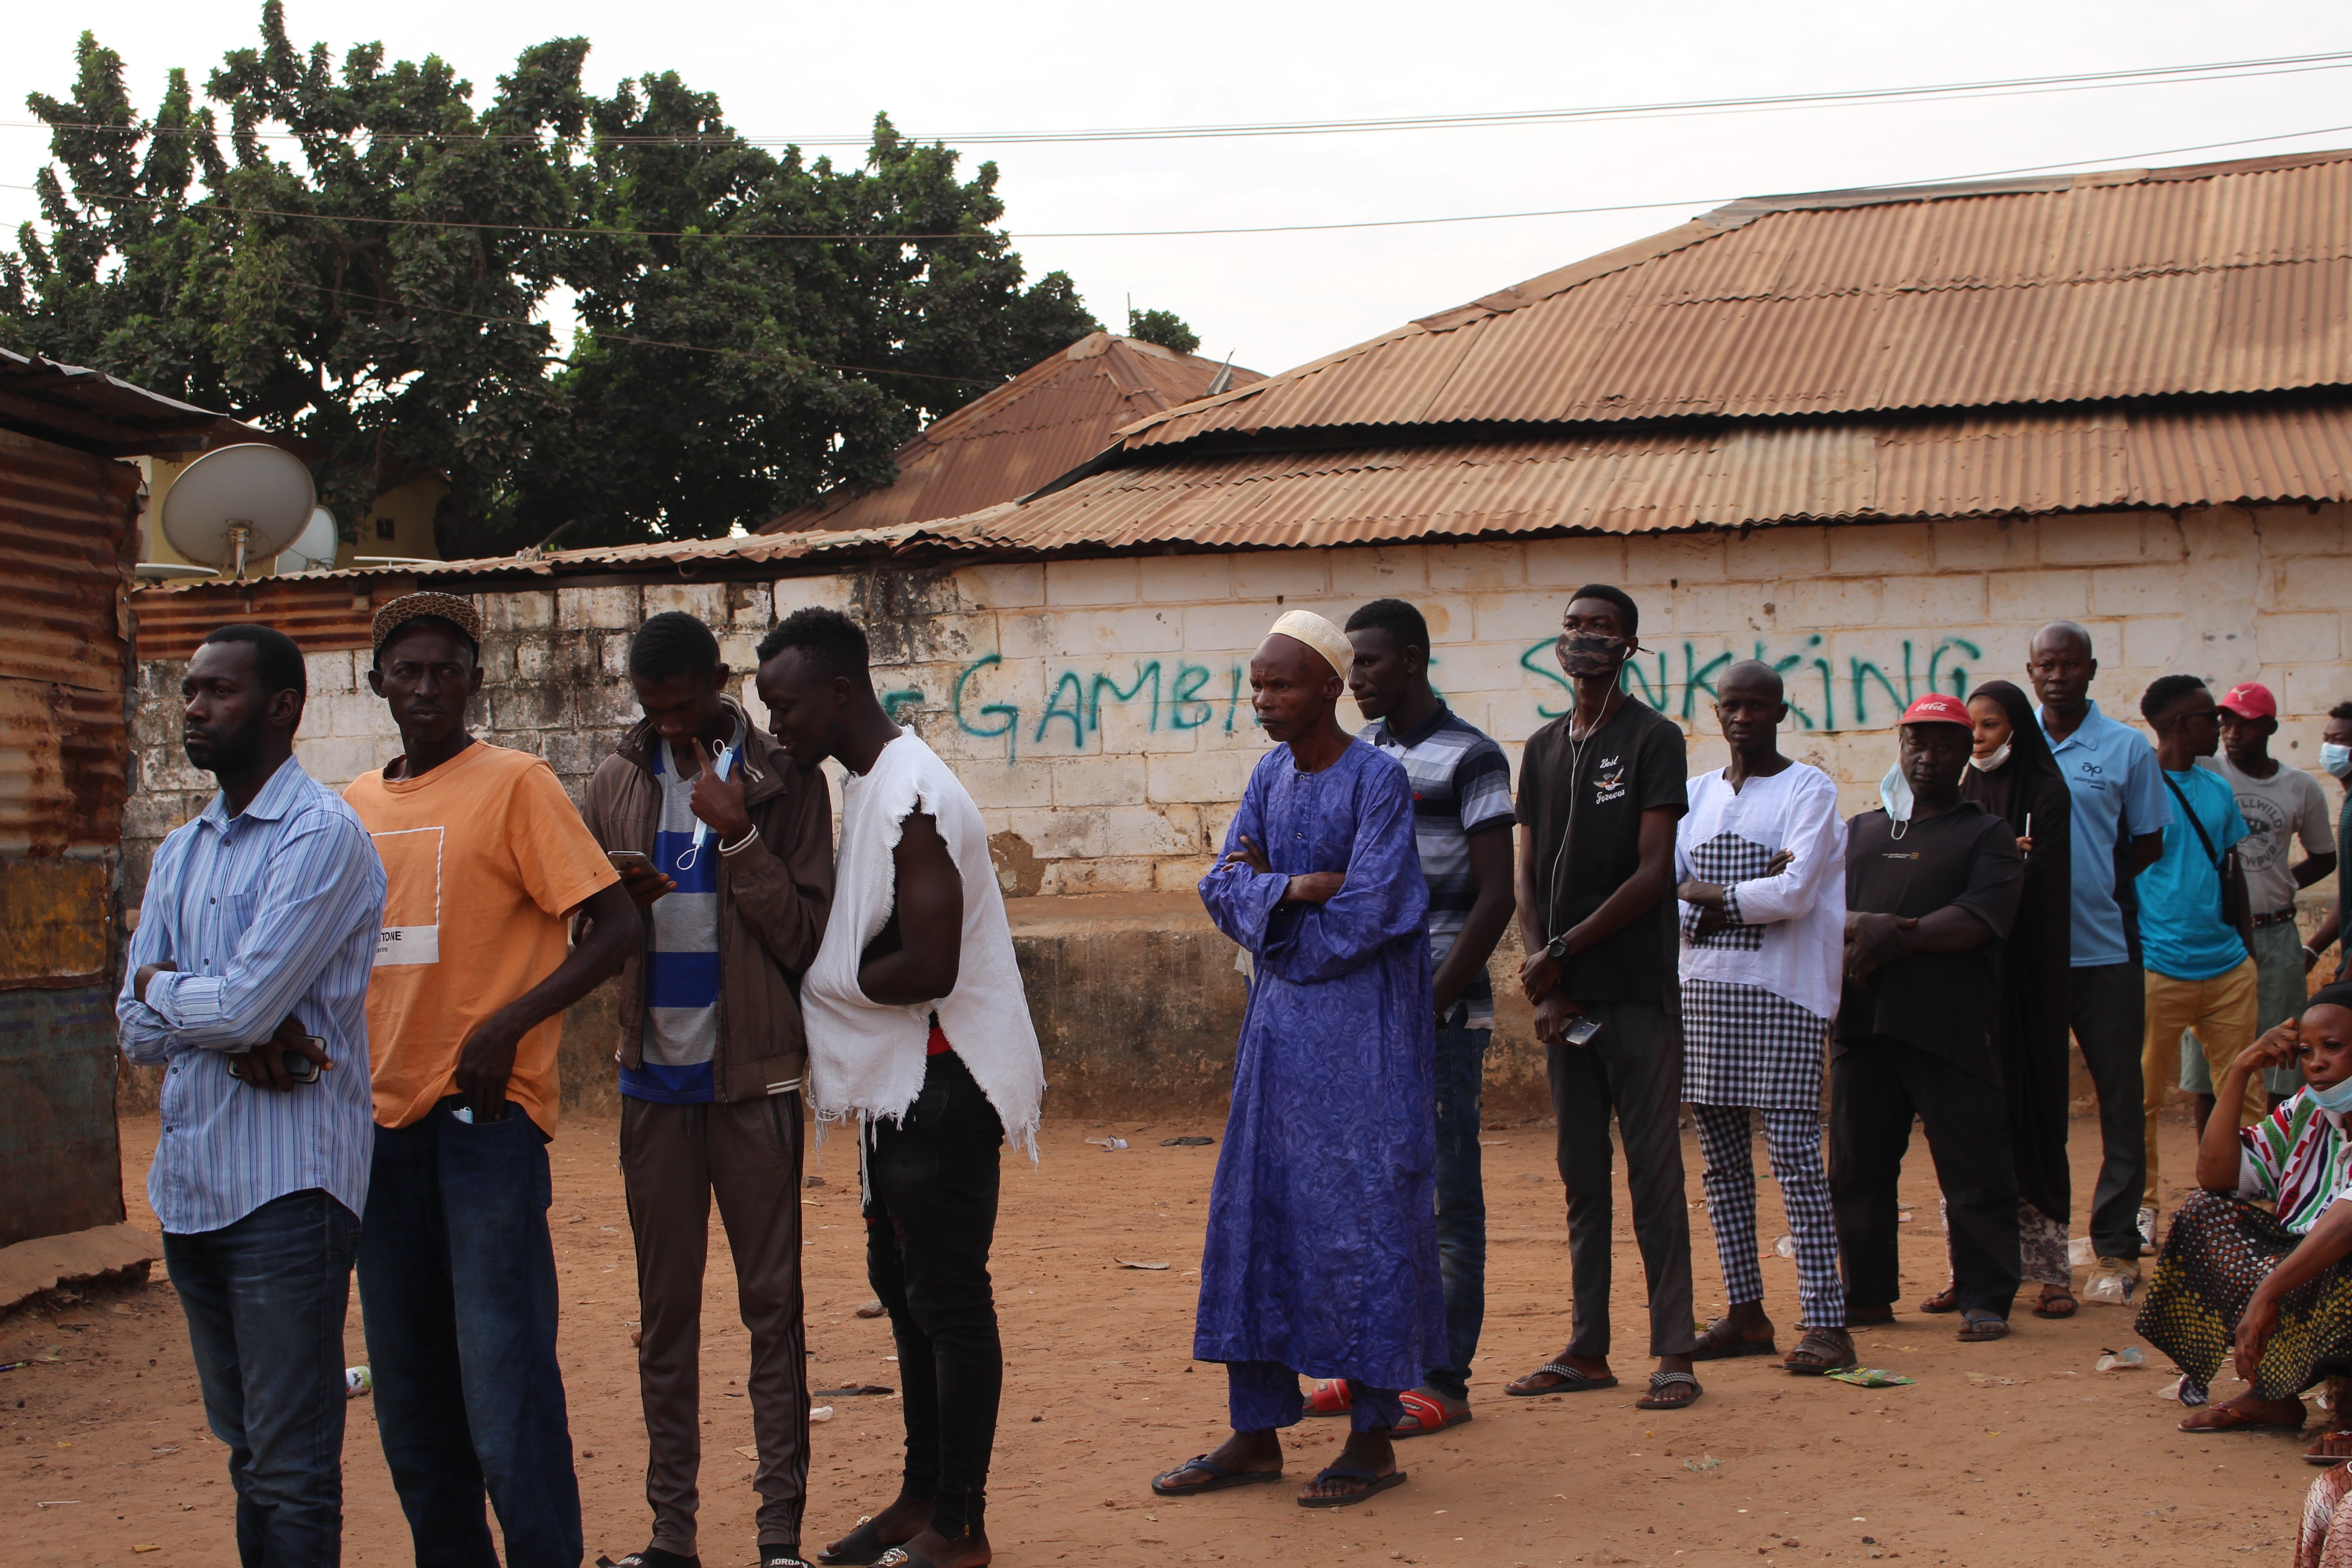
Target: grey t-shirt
pixel 2278 810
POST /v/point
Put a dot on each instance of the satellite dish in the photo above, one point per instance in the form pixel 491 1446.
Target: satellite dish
pixel 238 503
pixel 316 546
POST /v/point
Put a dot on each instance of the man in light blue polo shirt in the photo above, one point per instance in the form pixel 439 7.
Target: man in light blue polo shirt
pixel 2120 815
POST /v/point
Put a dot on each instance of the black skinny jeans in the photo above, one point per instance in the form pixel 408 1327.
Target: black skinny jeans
pixel 930 1215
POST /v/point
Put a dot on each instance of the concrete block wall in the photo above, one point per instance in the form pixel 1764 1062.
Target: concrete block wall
pixel 1098 710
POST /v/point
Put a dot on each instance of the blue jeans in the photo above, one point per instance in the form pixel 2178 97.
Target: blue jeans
pixel 265 1300
pixel 458 1286
pixel 1461 1197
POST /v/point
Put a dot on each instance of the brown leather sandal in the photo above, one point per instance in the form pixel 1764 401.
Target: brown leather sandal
pixel 1823 1351
pixel 1946 1299
pixel 1723 1343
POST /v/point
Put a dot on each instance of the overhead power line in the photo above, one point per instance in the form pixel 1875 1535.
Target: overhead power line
pixel 2010 87
pixel 600 232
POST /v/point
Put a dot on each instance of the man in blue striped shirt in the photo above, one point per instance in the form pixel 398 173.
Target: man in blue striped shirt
pixel 248 975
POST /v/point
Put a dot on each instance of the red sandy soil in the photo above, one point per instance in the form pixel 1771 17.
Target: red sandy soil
pixel 2015 1451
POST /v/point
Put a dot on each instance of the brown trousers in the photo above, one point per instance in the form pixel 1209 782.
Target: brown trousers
pixel 673 1159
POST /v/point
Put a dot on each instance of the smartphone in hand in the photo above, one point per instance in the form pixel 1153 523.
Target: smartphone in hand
pixel 298 1068
pixel 629 859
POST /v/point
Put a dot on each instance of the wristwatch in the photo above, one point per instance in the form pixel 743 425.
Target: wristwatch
pixel 1557 949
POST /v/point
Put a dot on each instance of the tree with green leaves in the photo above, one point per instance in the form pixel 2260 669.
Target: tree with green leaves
pixel 1165 328
pixel 361 263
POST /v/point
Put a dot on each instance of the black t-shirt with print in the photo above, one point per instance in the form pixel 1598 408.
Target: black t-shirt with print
pixel 1946 1004
pixel 1600 786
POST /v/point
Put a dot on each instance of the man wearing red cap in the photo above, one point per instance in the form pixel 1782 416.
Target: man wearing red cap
pixel 2280 804
pixel 1932 882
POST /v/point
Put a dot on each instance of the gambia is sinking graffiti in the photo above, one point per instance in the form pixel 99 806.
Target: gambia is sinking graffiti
pixel 1193 696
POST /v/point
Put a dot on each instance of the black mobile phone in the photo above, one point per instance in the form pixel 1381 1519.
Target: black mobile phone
pixel 1581 1033
pixel 298 1068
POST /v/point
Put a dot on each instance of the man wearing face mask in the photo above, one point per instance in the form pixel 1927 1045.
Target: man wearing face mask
pixel 1601 790
pixel 2336 756
pixel 2280 804
pixel 1932 884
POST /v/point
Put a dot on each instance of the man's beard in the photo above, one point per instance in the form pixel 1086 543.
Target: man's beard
pixel 232 751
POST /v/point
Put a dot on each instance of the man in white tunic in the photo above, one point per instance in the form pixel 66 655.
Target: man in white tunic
pixel 918 1028
pixel 1761 860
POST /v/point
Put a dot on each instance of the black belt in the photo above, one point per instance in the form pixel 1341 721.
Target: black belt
pixel 2261 921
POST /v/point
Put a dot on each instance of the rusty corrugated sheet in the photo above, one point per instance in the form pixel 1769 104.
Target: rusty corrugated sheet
pixel 1027 433
pixel 60 1163
pixel 68 520
pixel 90 411
pixel 66 525
pixel 2228 277
pixel 321 611
pixel 1712 474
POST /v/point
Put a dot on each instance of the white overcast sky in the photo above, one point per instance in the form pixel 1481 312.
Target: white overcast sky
pixel 801 69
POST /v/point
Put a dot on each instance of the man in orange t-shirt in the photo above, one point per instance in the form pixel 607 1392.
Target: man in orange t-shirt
pixel 486 859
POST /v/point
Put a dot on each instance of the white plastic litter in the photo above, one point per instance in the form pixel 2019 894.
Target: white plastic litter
pixel 1785 1248
pixel 2113 1289
pixel 2131 1358
pixel 357 1381
pixel 2080 1253
pixel 1108 1143
pixel 822 1413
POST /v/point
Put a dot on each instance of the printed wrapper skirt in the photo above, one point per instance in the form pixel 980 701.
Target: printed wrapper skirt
pixel 2218 1251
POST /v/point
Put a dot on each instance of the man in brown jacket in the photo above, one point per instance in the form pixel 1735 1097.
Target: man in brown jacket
pixel 727 847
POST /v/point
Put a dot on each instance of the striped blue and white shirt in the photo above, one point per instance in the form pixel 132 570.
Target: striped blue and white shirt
pixel 682 956
pixel 272 912
pixel 1461 785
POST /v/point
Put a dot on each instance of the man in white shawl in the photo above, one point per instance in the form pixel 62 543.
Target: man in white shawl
pixel 918 1028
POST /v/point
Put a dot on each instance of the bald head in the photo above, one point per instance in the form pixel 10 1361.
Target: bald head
pixel 2060 665
pixel 2062 634
pixel 1753 677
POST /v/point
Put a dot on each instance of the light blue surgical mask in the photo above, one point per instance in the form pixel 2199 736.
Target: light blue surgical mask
pixel 2335 759
pixel 2336 1098
pixel 1895 795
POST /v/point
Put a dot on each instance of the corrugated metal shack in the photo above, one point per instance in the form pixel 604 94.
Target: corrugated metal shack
pixel 69 528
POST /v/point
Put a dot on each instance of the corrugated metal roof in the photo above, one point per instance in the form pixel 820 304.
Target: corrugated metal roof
pixel 90 411
pixel 1723 474
pixel 1031 430
pixel 2222 277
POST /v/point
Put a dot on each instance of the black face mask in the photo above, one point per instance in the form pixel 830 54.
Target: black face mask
pixel 1585 654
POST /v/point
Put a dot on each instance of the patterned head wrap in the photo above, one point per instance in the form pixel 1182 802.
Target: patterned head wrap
pixel 398 613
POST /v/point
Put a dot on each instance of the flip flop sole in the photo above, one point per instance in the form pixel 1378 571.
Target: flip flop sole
pixel 1578 1384
pixel 1216 1484
pixel 1350 1500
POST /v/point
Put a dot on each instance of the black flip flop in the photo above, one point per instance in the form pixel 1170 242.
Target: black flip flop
pixel 1220 1478
pixel 1571 1382
pixel 1662 1381
pixel 859 1547
pixel 1374 1485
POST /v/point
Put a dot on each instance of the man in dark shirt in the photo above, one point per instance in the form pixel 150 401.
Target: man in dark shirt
pixel 1600 792
pixel 1932 883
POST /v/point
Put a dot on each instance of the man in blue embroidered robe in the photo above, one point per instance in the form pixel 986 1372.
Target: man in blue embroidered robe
pixel 1321 1257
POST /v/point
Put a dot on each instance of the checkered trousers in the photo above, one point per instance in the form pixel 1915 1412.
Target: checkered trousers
pixel 1746 1046
pixel 1793 1141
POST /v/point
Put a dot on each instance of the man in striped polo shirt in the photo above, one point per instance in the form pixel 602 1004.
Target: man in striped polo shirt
pixel 1462 829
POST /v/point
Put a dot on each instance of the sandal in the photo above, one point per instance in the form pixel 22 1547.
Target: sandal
pixel 2061 1305
pixel 2331 1448
pixel 2218 1418
pixel 1425 1412
pixel 1220 1478
pixel 1823 1351
pixel 1331 1398
pixel 1946 1299
pixel 1662 1381
pixel 1373 1484
pixel 1570 1382
pixel 861 1545
pixel 1723 1343
pixel 1977 1328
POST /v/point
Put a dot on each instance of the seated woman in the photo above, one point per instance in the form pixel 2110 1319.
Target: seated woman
pixel 2276 1283
pixel 2326 1541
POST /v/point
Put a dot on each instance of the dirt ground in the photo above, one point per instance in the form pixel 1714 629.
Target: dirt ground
pixel 2011 1452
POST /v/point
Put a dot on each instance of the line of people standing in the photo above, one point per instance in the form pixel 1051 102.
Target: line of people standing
pixel 360 1000
pixel 2022 878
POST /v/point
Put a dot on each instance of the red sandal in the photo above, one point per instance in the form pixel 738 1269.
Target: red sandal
pixel 1332 1398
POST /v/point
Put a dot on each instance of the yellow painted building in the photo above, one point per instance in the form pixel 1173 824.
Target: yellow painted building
pixel 398 522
